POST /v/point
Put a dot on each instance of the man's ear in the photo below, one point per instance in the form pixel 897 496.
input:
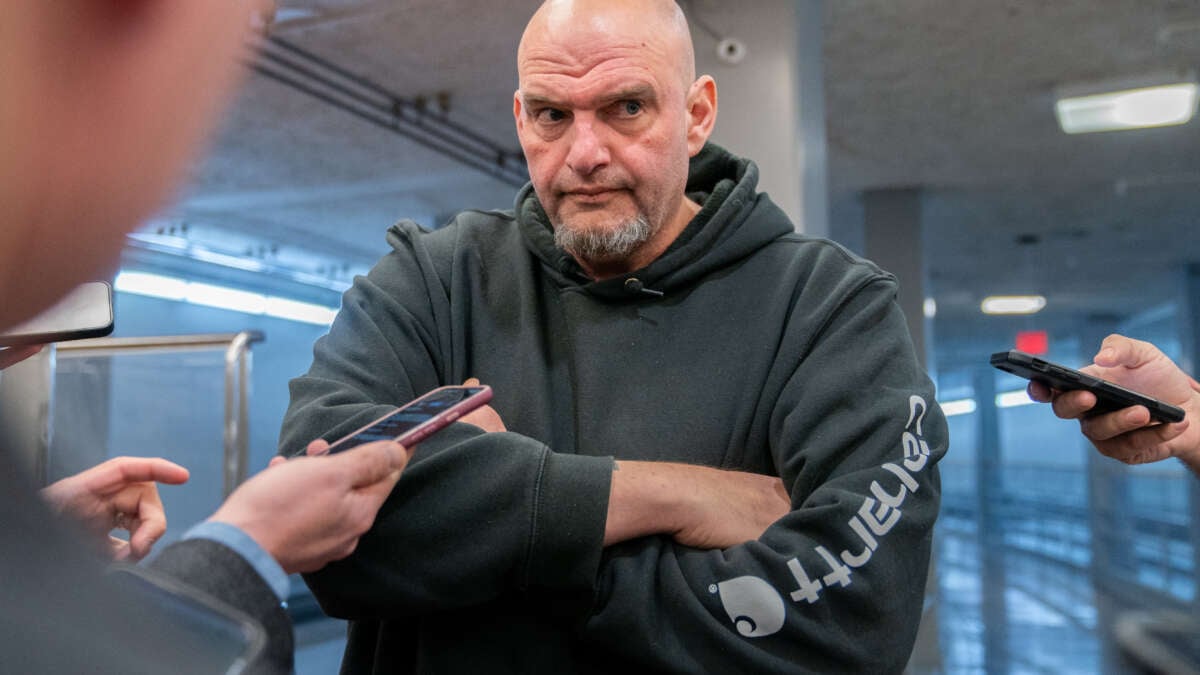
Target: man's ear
pixel 517 111
pixel 702 112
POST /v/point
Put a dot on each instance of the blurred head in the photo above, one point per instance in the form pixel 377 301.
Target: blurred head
pixel 103 104
pixel 608 112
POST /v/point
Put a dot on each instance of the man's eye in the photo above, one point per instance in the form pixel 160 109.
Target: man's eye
pixel 631 108
pixel 550 115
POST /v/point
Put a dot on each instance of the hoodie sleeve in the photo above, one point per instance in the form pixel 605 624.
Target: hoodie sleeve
pixel 837 584
pixel 475 515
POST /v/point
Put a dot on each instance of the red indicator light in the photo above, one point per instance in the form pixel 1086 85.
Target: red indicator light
pixel 1033 341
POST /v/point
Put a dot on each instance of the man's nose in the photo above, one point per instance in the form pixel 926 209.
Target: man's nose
pixel 589 151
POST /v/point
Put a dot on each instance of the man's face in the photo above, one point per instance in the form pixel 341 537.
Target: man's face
pixel 604 126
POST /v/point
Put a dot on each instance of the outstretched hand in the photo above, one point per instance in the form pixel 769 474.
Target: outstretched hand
pixel 119 494
pixel 1129 435
pixel 309 511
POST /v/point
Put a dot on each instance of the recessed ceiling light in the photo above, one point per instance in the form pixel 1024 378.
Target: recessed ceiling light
pixel 1131 103
pixel 1012 304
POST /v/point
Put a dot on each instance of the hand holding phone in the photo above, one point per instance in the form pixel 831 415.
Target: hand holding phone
pixel 1109 396
pixel 421 418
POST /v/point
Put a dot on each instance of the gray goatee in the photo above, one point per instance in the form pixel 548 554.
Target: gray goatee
pixel 604 245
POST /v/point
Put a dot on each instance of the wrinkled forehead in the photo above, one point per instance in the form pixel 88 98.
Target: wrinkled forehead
pixel 593 75
pixel 575 42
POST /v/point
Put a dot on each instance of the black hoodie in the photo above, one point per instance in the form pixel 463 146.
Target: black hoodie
pixel 756 349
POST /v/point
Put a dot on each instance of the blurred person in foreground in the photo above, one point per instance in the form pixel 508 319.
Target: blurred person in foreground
pixel 1129 435
pixel 102 105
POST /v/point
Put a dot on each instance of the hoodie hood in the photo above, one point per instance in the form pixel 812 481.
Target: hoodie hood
pixel 734 221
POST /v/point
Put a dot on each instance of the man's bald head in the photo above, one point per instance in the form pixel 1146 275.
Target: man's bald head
pixel 658 24
pixel 608 112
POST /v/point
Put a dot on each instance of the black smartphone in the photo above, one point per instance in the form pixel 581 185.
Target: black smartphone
pixel 419 419
pixel 85 312
pixel 1109 396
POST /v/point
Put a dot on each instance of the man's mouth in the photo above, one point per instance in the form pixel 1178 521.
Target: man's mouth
pixel 591 194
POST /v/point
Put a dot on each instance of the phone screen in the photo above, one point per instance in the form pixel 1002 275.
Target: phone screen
pixel 420 418
pixel 85 312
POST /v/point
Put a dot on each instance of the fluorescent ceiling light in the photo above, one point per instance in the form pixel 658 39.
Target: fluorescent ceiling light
pixel 1012 304
pixel 222 297
pixel 1153 101
pixel 962 406
pixel 153 285
pixel 1012 399
pixel 305 312
pixel 930 308
pixel 226 298
pixel 966 406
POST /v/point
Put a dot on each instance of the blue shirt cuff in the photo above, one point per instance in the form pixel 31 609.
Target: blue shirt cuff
pixel 243 545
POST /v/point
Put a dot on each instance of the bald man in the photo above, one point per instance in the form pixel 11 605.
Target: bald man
pixel 102 106
pixel 712 448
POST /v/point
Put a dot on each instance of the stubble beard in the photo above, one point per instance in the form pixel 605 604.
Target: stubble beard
pixel 604 245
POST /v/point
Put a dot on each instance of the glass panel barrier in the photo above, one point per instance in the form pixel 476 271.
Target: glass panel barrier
pixel 183 398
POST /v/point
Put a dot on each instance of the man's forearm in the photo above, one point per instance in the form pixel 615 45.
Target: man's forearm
pixel 642 500
pixel 698 506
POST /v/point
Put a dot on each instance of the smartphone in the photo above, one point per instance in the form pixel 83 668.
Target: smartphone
pixel 419 419
pixel 1109 396
pixel 85 312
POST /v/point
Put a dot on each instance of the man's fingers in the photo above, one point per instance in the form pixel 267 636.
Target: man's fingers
pixel 375 493
pixel 372 463
pixel 139 510
pixel 144 536
pixel 1114 424
pixel 317 447
pixel 121 471
pixel 1071 405
pixel 1144 445
pixel 1039 392
pixel 276 461
pixel 118 548
pixel 1118 350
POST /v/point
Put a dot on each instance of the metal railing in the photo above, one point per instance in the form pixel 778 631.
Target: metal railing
pixel 236 379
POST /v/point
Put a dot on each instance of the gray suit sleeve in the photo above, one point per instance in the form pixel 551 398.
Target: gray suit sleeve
pixel 219 572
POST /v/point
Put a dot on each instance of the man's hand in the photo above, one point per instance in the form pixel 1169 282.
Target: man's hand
pixel 309 511
pixel 119 494
pixel 1129 435
pixel 485 416
pixel 14 355
pixel 698 506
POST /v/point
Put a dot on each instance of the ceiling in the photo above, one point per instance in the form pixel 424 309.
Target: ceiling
pixel 951 97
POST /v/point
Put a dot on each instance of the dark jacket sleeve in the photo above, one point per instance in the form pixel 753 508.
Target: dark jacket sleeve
pixel 475 515
pixel 837 584
pixel 218 572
